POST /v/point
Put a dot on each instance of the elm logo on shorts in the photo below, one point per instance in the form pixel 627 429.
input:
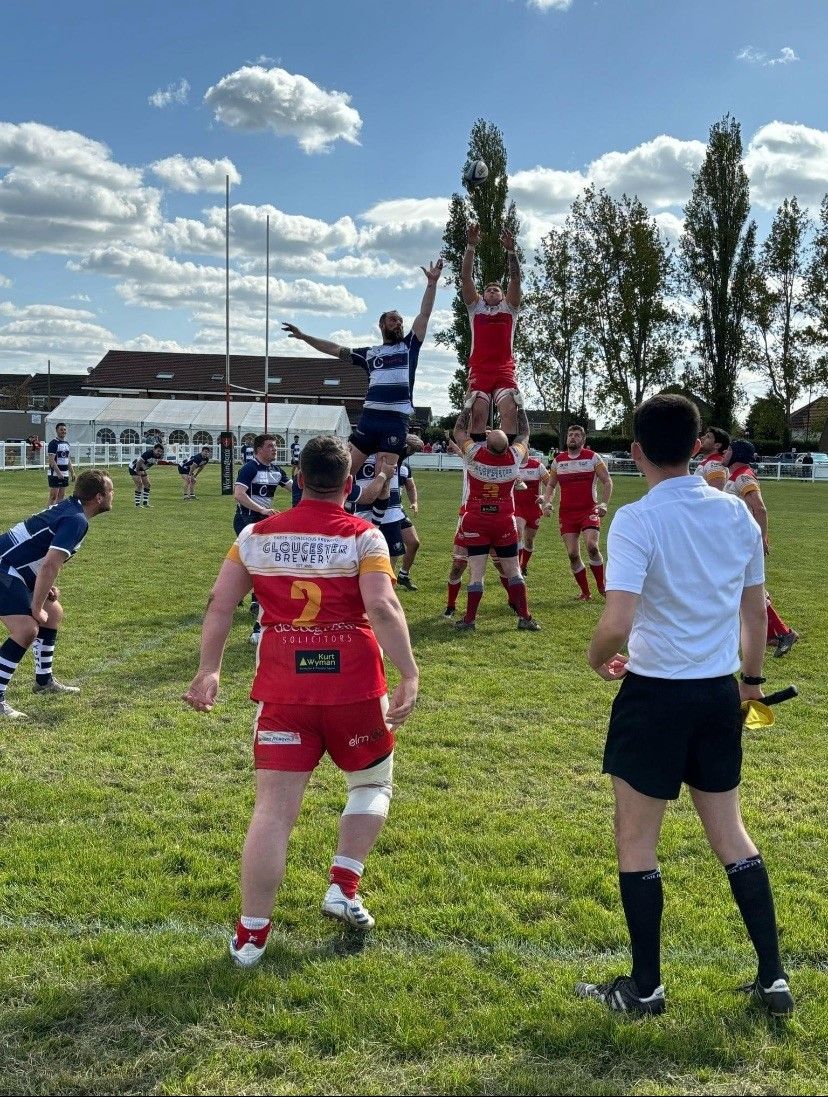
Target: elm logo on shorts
pixel 279 738
pixel 317 662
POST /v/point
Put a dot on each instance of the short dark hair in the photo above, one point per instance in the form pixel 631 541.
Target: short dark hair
pixel 59 425
pixel 325 464
pixel 260 440
pixel 89 484
pixel 666 427
pixel 158 445
pixel 576 426
pixel 722 438
pixel 387 313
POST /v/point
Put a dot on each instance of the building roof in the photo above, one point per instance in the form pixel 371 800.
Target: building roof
pixel 811 415
pixel 139 372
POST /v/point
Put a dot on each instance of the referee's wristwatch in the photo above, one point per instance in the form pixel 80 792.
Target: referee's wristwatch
pixel 752 679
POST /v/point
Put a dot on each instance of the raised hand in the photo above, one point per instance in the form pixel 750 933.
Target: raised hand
pixel 507 240
pixel 473 234
pixel 433 273
pixel 293 331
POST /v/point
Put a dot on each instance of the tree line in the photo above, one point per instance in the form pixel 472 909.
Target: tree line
pixel 614 313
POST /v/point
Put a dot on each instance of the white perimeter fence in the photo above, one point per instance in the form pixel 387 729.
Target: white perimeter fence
pixel 19 455
pixel 765 470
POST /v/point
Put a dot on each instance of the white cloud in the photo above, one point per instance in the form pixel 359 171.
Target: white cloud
pixel 156 281
pixel 173 93
pixel 659 171
pixel 288 104
pixel 752 56
pixel 547 5
pixel 4 282
pixel 787 158
pixel 193 174
pixel 409 231
pixel 33 333
pixel 64 193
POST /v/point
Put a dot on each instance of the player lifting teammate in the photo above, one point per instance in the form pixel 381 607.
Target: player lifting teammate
pixel 488 518
pixel 574 471
pixel 492 318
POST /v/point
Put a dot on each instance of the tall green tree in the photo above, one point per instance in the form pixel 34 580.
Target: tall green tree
pixel 626 270
pixel 553 353
pixel 779 308
pixel 718 256
pixel 816 306
pixel 489 206
pixel 767 419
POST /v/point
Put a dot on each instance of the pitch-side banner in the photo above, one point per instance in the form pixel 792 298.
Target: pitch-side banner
pixel 226 444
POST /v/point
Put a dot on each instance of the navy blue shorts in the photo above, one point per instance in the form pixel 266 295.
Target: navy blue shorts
pixel 392 533
pixel 58 481
pixel 380 432
pixel 15 596
pixel 250 518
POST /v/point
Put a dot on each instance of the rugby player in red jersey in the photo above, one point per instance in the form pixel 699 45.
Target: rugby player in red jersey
pixel 324 582
pixel 742 481
pixel 711 468
pixel 492 318
pixel 574 472
pixel 528 508
pixel 488 514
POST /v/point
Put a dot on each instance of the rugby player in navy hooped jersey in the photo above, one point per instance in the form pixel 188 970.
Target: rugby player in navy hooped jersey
pixel 139 469
pixel 391 366
pixel 256 483
pixel 191 468
pixel 60 470
pixel 31 555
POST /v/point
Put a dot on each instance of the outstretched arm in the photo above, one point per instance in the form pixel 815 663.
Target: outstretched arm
pixel 432 278
pixel 467 288
pixel 325 346
pixel 513 290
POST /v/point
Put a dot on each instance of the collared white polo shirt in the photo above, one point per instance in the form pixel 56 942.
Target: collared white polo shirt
pixel 688 551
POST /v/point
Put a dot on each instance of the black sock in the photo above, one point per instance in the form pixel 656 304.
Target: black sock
pixel 10 655
pixel 478 436
pixel 752 891
pixel 510 438
pixel 642 897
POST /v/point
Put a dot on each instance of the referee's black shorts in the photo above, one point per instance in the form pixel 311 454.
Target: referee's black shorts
pixel 665 731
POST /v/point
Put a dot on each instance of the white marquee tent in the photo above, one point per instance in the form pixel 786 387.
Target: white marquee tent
pixel 123 422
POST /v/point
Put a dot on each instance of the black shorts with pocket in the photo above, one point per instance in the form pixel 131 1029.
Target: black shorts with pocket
pixel 667 731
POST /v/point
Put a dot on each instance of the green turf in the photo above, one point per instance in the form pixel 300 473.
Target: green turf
pixel 493 885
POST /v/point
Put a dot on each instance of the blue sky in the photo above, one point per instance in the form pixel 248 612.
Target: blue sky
pixel 349 125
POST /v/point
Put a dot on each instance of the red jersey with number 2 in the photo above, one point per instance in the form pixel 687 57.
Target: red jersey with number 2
pixel 317 646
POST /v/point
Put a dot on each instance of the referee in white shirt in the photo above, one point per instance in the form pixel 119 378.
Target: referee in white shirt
pixel 686 566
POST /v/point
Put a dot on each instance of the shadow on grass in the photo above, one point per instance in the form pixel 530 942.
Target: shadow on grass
pixel 130 1034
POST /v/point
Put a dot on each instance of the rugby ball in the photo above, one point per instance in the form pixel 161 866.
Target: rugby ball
pixel 475 173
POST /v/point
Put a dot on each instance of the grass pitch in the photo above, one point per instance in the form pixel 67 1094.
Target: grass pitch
pixel 494 883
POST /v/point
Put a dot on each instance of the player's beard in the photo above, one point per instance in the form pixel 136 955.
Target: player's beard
pixel 392 336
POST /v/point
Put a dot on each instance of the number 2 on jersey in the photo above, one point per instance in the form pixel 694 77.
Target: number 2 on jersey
pixel 313 593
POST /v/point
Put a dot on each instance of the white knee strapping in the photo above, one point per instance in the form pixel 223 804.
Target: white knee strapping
pixel 501 394
pixel 370 790
pixel 475 395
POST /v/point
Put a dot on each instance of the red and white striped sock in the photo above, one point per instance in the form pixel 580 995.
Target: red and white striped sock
pixel 346 872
